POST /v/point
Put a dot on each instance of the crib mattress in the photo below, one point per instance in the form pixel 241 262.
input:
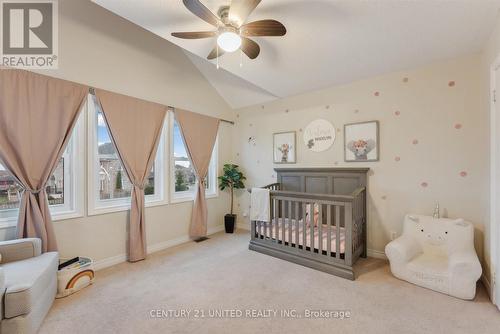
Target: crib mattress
pixel 290 223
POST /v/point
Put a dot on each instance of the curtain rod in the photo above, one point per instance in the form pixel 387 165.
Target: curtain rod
pixel 92 91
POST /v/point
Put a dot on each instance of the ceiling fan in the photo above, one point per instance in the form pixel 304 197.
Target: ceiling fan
pixel 231 31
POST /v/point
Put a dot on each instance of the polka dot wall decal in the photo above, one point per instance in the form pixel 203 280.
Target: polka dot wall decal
pixel 287 111
pixel 258 161
pixel 376 93
pixel 338 130
pixel 250 124
pixel 300 130
pixel 463 173
pixel 458 126
pixel 415 141
pixel 336 163
pixel 397 113
pixel 424 184
pixel 405 80
pixel 384 197
pixel 451 84
pixel 397 159
pixel 356 111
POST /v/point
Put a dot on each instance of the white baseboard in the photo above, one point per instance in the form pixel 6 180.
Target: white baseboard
pixel 114 260
pixel 487 285
pixel 244 226
pixel 376 254
pixel 109 261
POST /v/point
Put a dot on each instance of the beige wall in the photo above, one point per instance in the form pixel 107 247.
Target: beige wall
pixel 429 110
pixel 100 49
pixel 491 52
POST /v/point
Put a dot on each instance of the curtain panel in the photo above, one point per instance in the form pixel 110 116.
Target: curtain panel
pixel 37 116
pixel 199 133
pixel 135 127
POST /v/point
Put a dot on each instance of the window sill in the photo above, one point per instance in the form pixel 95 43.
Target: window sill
pixel 12 221
pixel 67 215
pixel 101 210
pixel 182 199
pixel 8 222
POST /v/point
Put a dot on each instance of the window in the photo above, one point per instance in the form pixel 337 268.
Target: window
pixel 109 186
pixel 184 181
pixel 64 187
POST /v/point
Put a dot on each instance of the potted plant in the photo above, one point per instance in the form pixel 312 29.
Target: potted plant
pixel 232 179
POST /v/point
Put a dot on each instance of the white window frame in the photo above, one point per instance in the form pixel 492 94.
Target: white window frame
pixel 74 171
pixel 96 206
pixel 186 196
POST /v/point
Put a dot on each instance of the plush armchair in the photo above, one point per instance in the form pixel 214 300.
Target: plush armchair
pixel 28 285
pixel 437 254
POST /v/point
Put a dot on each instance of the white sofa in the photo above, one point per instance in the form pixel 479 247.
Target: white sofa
pixel 438 254
pixel 28 285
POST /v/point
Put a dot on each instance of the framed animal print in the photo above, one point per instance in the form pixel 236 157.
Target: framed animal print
pixel 361 142
pixel 284 148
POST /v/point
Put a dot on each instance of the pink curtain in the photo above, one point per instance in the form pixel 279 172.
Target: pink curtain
pixel 37 116
pixel 199 133
pixel 135 126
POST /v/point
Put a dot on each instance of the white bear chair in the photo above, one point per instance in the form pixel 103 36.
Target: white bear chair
pixel 438 254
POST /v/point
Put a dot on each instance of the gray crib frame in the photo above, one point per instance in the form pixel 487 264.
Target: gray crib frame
pixel 342 192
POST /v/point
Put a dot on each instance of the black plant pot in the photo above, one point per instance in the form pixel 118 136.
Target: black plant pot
pixel 229 221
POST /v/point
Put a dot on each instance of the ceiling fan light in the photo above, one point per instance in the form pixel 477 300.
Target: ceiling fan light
pixel 229 41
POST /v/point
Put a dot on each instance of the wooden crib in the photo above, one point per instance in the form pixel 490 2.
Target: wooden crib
pixel 318 219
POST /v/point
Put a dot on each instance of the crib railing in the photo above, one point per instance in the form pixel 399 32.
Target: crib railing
pixel 273 186
pixel 339 235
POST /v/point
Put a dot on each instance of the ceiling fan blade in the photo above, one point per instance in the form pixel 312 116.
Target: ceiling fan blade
pixel 214 53
pixel 263 28
pixel 198 9
pixel 194 34
pixel 250 48
pixel 240 10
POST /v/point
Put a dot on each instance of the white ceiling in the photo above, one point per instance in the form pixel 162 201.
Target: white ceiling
pixel 328 42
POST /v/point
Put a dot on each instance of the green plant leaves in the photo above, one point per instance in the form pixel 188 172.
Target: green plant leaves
pixel 232 178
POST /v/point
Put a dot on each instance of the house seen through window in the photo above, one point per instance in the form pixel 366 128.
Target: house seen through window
pixel 184 175
pixel 113 180
pixel 11 190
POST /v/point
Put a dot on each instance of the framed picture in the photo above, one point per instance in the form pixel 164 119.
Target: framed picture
pixel 284 148
pixel 361 141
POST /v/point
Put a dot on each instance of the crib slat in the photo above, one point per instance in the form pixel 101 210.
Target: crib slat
pixel 348 233
pixel 311 227
pixel 337 230
pixel 290 222
pixel 320 229
pixel 273 218
pixel 329 230
pixel 275 221
pixel 304 226
pixel 296 224
pixel 283 220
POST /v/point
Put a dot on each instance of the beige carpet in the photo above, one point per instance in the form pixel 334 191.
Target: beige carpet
pixel 222 273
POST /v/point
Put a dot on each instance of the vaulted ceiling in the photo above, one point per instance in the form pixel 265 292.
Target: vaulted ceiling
pixel 328 42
